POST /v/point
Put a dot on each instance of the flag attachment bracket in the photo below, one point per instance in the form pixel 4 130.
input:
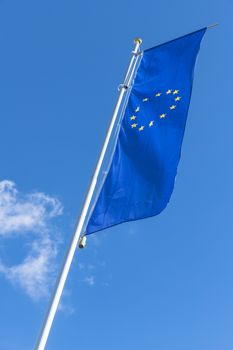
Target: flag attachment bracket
pixel 82 242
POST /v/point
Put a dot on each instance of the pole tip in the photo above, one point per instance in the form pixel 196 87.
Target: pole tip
pixel 138 41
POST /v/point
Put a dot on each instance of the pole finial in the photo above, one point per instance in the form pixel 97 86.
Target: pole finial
pixel 138 41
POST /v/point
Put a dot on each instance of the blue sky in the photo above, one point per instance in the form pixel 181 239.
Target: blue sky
pixel 161 283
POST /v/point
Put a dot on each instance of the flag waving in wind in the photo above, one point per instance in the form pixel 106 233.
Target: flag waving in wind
pixel 141 177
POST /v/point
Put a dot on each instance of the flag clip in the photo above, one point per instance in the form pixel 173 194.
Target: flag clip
pixel 82 242
pixel 137 53
pixel 122 86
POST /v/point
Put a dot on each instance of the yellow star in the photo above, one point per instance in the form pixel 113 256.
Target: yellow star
pixel 137 109
pixel 169 92
pixel 178 98
pixel 162 116
pixel 175 92
pixel 173 107
pixel 134 125
pixel 158 94
pixel 133 117
pixel 145 99
pixel 151 123
pixel 141 128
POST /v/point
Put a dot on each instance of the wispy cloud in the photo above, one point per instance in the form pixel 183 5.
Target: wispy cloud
pixel 25 212
pixel 66 309
pixel 94 273
pixel 30 215
pixel 90 280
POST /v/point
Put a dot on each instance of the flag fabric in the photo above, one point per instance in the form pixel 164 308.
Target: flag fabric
pixel 141 177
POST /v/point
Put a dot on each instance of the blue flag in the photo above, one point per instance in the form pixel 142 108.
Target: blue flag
pixel 141 177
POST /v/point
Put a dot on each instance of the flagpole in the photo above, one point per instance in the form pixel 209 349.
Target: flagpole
pixel 76 236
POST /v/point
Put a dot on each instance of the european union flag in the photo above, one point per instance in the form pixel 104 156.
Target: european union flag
pixel 141 177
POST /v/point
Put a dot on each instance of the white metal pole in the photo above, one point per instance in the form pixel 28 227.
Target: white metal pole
pixel 73 245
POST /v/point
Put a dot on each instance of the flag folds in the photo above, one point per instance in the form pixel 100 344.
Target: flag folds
pixel 144 164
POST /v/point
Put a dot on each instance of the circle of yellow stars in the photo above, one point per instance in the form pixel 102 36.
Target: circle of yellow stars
pixel 133 119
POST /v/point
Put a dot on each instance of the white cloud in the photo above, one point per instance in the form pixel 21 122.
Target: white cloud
pixel 66 309
pixel 23 213
pixel 30 215
pixel 90 280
